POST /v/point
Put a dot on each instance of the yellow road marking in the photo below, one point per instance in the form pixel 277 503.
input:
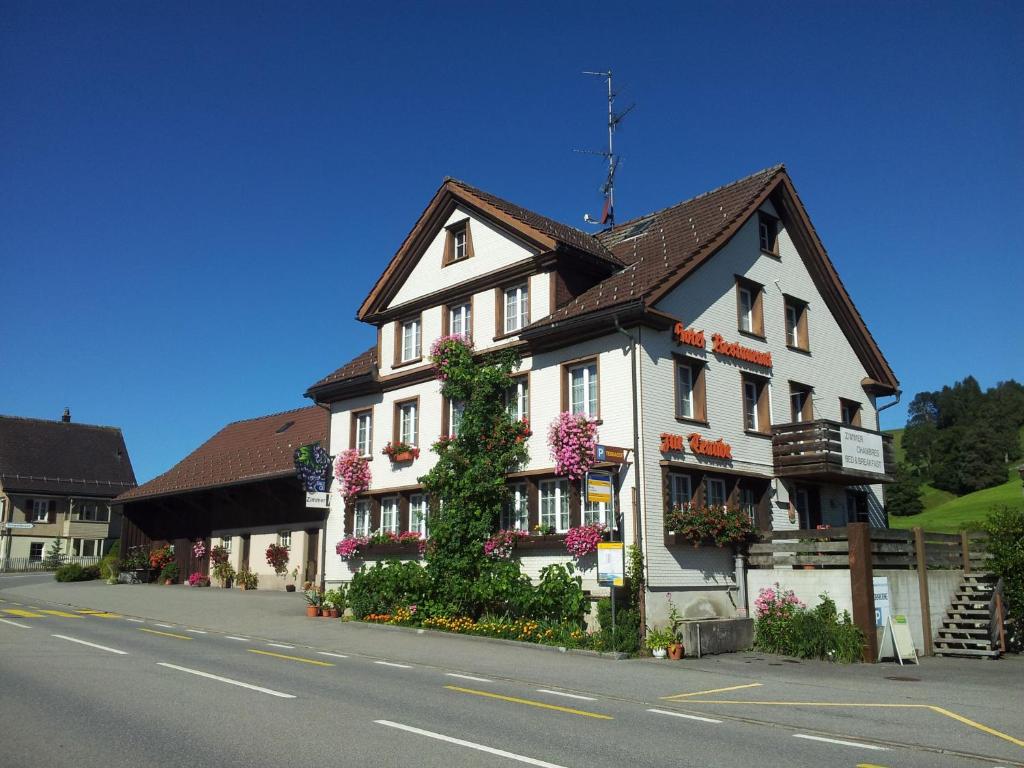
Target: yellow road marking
pixel 713 690
pixel 64 614
pixel 87 610
pixel 933 708
pixel 23 614
pixel 291 658
pixel 869 765
pixel 529 702
pixel 165 634
pixel 105 615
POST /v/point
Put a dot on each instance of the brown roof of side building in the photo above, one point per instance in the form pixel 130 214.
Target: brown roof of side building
pixel 63 457
pixel 243 451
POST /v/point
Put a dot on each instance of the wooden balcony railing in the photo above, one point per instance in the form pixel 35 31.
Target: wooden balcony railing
pixel 828 451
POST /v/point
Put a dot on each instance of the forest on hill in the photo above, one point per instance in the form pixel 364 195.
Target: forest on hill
pixel 958 439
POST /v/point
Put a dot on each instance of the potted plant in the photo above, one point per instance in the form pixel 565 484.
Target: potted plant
pixel 223 572
pixel 675 620
pixel 353 472
pixel 277 558
pixel 295 577
pixel 399 452
pixel 314 601
pixel 658 640
pixel 246 579
pixel 169 573
pixel 334 602
pixel 572 438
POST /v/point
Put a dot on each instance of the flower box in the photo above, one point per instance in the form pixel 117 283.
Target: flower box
pixel 547 541
pixel 403 456
pixel 392 548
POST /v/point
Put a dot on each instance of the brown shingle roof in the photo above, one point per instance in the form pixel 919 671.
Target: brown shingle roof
pixel 37 455
pixel 243 451
pixel 362 365
pixel 660 245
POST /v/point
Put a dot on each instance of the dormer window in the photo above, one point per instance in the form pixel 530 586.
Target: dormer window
pixel 458 244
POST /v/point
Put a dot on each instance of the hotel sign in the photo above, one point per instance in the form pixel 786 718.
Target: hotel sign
pixel 715 449
pixel 731 349
pixel 862 451
pixel 688 336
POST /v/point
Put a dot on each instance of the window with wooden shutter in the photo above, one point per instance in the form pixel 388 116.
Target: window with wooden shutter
pixel 458 243
pixel 768 234
pixel 691 389
pixel 749 307
pixel 796 324
pixel 801 402
pixel 756 405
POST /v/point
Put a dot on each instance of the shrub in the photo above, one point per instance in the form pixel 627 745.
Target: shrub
pixel 785 626
pixel 559 595
pixel 627 628
pixel 335 598
pixel 71 572
pixel 110 565
pixel 169 571
pixel 1005 528
pixel 385 586
pixel 223 572
pixel 277 558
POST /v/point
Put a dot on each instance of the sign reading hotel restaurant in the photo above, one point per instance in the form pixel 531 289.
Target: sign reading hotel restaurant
pixel 610 563
pixel 731 349
pixel 599 487
pixel 610 454
pixel 862 451
pixel 688 336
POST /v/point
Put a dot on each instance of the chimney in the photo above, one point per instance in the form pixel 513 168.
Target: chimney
pixel 66 418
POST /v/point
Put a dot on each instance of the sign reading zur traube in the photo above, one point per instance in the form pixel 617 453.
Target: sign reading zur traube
pixel 313 466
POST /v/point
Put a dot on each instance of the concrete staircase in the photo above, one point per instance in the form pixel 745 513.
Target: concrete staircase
pixel 967 627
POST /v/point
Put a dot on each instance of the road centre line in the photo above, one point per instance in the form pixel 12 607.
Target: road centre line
pixel 281 645
pixel 165 626
pixel 15 624
pixel 529 702
pixel 227 680
pixel 197 631
pixel 393 664
pixel 840 742
pixel 469 744
pixel 164 634
pixel 22 614
pixel 713 690
pixel 137 621
pixel 684 716
pixel 567 695
pixel 62 614
pixel 91 645
pixel 242 639
pixel 468 677
pixel 292 658
pixel 333 655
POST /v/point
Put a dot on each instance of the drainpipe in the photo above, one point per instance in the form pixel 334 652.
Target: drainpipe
pixel 741 583
pixel 323 535
pixel 637 530
pixel 878 423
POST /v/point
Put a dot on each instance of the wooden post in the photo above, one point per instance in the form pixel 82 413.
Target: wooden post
pixel 862 586
pixel 922 586
pixel 965 551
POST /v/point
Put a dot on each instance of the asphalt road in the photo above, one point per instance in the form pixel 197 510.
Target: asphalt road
pixel 111 689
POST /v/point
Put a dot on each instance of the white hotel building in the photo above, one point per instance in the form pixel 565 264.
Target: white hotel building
pixel 720 320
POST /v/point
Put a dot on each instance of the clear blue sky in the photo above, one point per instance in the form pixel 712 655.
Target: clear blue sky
pixel 195 197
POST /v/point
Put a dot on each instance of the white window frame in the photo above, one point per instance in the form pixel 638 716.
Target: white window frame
pixel 41 510
pixel 389 514
pixel 588 386
pixel 361 518
pixel 31 547
pixel 284 539
pixel 459 244
pixel 89 512
pixel 792 325
pixel 515 515
pixel 518 398
pixel 455 410
pixel 516 307
pixel 410 340
pixel 460 320
pixel 684 390
pixel 715 482
pixel 554 504
pixel 746 300
pixel 680 489
pixel 364 433
pixel 750 405
pixel 418 514
pixel 798 396
pixel 598 512
pixel 408 423
pixel 748 503
pixel 225 541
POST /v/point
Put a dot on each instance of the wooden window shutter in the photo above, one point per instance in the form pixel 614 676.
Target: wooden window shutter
pixel 449 247
pixel 352 418
pixel 758 311
pixel 801 329
pixel 51 516
pixel 29 513
pixel 575 505
pixel 469 241
pixel 446 406
pixel 764 419
pixel 700 395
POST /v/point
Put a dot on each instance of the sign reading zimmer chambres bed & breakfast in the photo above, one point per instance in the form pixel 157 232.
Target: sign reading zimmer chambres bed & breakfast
pixel 862 451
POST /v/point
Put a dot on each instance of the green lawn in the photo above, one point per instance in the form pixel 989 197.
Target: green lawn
pixel 968 511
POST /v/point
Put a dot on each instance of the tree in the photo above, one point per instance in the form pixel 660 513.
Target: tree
pixel 918 442
pixel 53 557
pixel 903 497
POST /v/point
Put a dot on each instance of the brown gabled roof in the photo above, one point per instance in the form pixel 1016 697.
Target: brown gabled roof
pixel 60 457
pixel 244 451
pixel 543 233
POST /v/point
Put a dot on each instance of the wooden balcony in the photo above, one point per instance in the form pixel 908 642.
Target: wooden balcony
pixel 830 452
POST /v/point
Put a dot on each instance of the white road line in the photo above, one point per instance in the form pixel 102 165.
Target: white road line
pixel 166 626
pixel 280 645
pixel 566 695
pixel 227 680
pixel 197 631
pixel 840 741
pixel 232 637
pixel 333 655
pixel 393 664
pixel 469 744
pixel 137 621
pixel 15 624
pixel 91 645
pixel 469 677
pixel 686 717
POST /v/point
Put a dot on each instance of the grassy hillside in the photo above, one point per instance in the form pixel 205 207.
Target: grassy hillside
pixel 931 497
pixel 968 511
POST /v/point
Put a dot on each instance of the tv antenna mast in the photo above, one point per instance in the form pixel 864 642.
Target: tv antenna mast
pixel 608 188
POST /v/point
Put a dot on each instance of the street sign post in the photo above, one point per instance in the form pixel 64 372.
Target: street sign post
pixel 610 454
pixel 610 563
pixel 599 487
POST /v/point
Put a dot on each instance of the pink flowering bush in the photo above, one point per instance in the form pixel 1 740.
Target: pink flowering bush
pixel 197 579
pixel 353 471
pixel 351 547
pixel 449 354
pixel 501 544
pixel 775 610
pixel 572 438
pixel 199 550
pixel 584 540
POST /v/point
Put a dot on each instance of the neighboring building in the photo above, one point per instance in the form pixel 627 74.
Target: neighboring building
pixel 57 481
pixel 718 326
pixel 238 489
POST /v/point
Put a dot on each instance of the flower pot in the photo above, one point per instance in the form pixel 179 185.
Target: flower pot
pixel 327 613
pixel 658 653
pixel 334 613
pixel 312 611
pixel 675 651
pixel 403 456
pixel 289 587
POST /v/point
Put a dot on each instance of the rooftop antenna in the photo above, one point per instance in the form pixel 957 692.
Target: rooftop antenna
pixel 608 188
